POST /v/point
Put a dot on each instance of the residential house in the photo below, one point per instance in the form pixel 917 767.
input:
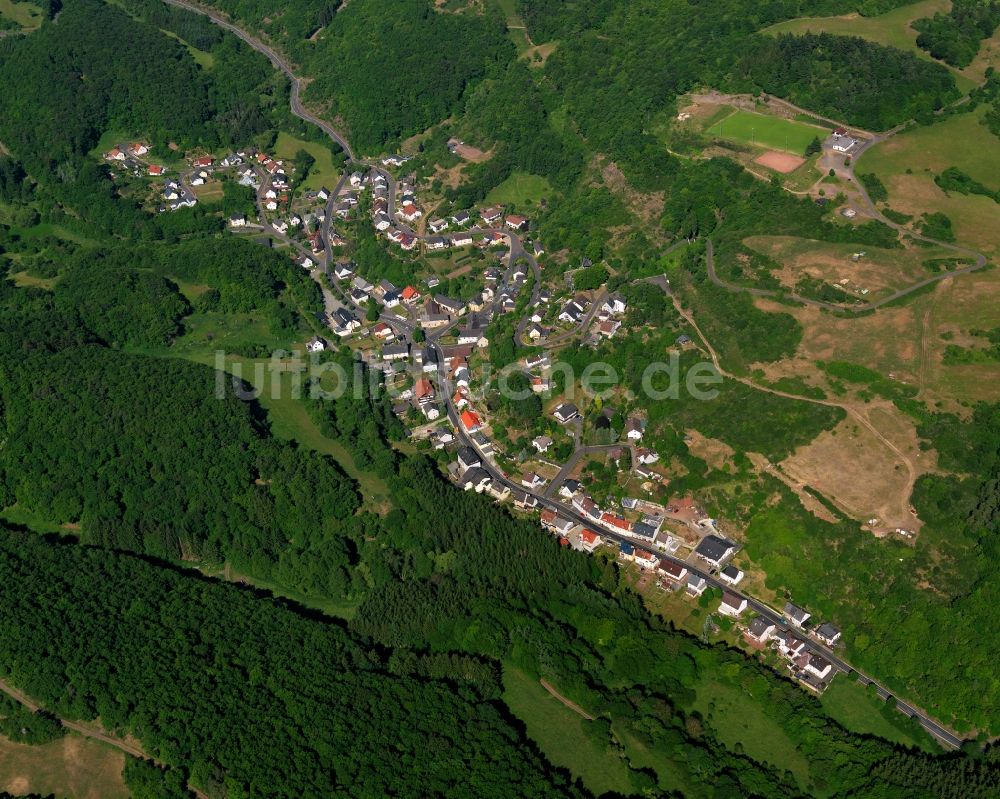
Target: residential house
pixel 362 284
pixel 516 222
pixel 571 313
pixel 468 457
pixel 760 630
pixel 410 295
pixel 566 412
pixel 643 530
pixel 156 170
pixel 491 214
pixel 410 212
pixel 316 344
pixel 542 443
pixel 732 604
pixel 462 218
pixel 383 332
pixel 675 571
pixel 609 327
pixel 540 384
pixel 437 225
pixel 536 361
pixel 429 358
pixel 696 584
pixel 626 551
pixel 614 305
pixel 433 320
pixel 532 481
pixel 633 429
pixel 396 352
pixel 238 221
pixel 586 505
pixel 470 420
pixel 343 271
pixel 448 305
pixel 437 243
pixel 819 666
pixel 715 550
pixel 646 456
pixel 569 488
pixel 796 615
pixel 790 645
pixel 731 575
pixel 381 221
pixel 827 633
pixel 646 559
pixel 461 239
pixel 476 479
pixel 523 500
pixel 589 540
pixel 616 523
pixel 423 391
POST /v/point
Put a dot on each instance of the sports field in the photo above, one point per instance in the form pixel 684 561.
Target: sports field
pixel 767 131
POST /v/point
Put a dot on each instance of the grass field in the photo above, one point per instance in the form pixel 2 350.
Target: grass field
pixel 73 767
pixel 520 191
pixel 766 131
pixel 738 718
pixel 26 15
pixel 25 281
pixel 907 164
pixel 323 172
pixel 561 735
pixel 204 59
pixel 853 707
pixel 891 29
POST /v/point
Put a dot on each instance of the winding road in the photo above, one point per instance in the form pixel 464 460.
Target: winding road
pixel 946 737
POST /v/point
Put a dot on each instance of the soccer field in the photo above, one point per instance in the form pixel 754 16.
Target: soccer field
pixel 767 131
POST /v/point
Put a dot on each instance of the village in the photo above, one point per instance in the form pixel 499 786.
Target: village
pixel 432 349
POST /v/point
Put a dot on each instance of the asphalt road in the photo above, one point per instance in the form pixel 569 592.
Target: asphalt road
pixel 944 736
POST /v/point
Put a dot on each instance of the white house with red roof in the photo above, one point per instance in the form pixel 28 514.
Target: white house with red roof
pixel 589 540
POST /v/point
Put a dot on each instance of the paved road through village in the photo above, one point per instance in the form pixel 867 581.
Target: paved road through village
pixel 946 737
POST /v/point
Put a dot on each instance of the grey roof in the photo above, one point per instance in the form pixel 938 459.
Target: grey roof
pixel 827 630
pixel 795 612
pixel 468 456
pixel 714 548
pixel 644 530
pixel 759 626
pixel 731 572
pixel 475 475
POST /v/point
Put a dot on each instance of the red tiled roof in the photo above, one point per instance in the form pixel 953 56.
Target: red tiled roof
pixel 589 536
pixel 470 419
pixel 616 521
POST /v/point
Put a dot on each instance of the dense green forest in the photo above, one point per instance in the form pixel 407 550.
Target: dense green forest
pixel 201 672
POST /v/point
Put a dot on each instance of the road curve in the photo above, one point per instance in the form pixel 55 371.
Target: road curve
pixel 279 63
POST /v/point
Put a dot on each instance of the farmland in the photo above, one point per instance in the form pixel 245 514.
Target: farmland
pixel 766 131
